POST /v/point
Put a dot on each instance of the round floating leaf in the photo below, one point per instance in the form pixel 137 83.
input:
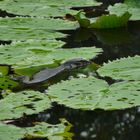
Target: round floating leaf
pixel 26 23
pixel 11 132
pixel 34 4
pixel 23 28
pixel 7 83
pixel 45 130
pixel 16 34
pixel 34 8
pixel 82 93
pixel 4 70
pixel 125 68
pixel 91 93
pixel 40 130
pixel 131 6
pixel 15 105
pixel 73 3
pixel 121 95
pixel 33 53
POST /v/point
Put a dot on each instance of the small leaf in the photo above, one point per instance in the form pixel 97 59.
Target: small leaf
pixel 7 83
pixel 110 21
pixel 4 70
pixel 104 21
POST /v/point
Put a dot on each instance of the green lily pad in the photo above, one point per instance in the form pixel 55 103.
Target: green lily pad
pixel 82 93
pixel 45 130
pixel 24 28
pixel 73 3
pixel 91 93
pixel 124 68
pixel 39 53
pixel 7 83
pixel 15 105
pixel 10 132
pixel 131 6
pixel 4 70
pixel 40 130
pixel 33 8
pixel 121 95
pixel 34 4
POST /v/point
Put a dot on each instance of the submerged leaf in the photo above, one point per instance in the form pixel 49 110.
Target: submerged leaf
pixel 15 105
pixel 91 93
pixel 124 68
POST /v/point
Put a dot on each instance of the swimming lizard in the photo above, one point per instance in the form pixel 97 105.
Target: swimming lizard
pixel 47 73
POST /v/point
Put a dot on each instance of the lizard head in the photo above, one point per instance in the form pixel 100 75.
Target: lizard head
pixel 76 63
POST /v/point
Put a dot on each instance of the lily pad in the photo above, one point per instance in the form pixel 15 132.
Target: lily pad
pixel 33 8
pixel 34 4
pixel 40 130
pixel 4 70
pixel 10 132
pixel 33 53
pixel 124 68
pixel 121 95
pixel 33 28
pixel 91 93
pixel 131 6
pixel 7 83
pixel 45 130
pixel 15 105
pixel 82 93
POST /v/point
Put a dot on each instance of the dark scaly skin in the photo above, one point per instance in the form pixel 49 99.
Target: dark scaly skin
pixel 46 74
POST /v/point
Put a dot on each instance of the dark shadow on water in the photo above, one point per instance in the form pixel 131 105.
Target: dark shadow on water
pixel 89 125
pixel 116 43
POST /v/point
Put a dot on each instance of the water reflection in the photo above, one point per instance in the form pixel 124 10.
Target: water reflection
pixel 116 43
pixel 96 125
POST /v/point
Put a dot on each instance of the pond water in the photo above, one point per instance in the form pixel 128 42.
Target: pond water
pixel 98 124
